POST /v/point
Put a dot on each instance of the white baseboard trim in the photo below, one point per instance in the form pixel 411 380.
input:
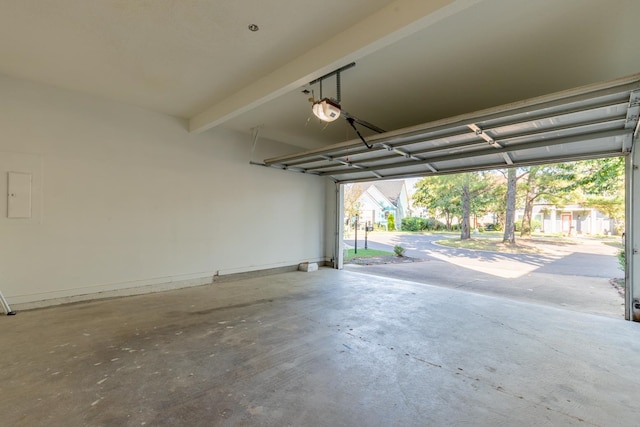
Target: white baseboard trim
pixel 27 302
pixel 264 267
pixel 139 287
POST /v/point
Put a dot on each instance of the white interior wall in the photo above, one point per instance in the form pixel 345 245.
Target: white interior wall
pixel 124 197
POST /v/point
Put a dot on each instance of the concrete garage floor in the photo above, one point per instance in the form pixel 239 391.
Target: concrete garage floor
pixel 328 348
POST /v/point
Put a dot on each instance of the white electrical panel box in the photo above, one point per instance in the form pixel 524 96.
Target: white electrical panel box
pixel 19 195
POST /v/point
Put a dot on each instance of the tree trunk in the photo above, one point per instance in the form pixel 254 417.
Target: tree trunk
pixel 465 231
pixel 525 230
pixel 510 208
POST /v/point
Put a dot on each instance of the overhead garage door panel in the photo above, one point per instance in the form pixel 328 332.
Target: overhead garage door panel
pixel 593 121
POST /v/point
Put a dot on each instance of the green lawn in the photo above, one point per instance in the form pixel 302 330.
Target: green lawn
pixel 485 244
pixel 365 253
pixel 616 244
pixel 522 246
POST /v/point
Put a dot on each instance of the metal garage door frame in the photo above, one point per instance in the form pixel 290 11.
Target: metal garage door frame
pixel 632 235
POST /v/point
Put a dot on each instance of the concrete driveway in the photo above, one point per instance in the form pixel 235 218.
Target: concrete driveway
pixel 571 274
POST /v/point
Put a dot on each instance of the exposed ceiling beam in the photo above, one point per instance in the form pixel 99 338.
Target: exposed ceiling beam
pixel 389 25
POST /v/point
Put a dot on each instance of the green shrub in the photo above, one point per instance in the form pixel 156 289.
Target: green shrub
pixel 391 222
pixel 421 224
pixel 408 224
pixel 413 224
pixel 535 225
pixel 434 224
pixel 621 259
pixel 399 250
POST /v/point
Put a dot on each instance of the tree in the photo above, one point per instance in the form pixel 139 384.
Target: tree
pixel 510 207
pixel 496 198
pixel 352 193
pixel 465 232
pixel 452 196
pixel 594 183
pixel 599 177
pixel 547 182
pixel 530 196
pixel 598 184
pixel 440 195
pixel 476 198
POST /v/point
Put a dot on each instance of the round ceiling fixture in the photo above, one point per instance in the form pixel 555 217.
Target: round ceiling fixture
pixel 253 27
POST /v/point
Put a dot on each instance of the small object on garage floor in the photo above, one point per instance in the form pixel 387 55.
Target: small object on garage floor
pixel 308 266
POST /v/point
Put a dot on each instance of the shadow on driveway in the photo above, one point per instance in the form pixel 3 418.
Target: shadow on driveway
pixel 576 280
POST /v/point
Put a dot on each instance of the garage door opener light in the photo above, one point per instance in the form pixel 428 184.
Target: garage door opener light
pixel 326 110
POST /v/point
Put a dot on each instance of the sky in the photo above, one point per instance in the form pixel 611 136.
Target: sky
pixel 410 183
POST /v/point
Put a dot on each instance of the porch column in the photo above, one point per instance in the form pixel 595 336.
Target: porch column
pixel 552 215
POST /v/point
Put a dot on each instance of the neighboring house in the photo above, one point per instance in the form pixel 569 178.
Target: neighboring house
pixel 380 199
pixel 571 220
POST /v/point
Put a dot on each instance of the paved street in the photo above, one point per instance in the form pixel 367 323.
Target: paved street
pixel 573 275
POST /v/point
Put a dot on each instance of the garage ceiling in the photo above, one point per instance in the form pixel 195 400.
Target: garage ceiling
pixel 417 61
pixel 590 122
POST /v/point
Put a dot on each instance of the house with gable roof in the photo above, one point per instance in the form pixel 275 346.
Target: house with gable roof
pixel 379 199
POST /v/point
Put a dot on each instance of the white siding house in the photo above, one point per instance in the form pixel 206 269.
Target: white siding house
pixel 573 220
pixel 380 199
